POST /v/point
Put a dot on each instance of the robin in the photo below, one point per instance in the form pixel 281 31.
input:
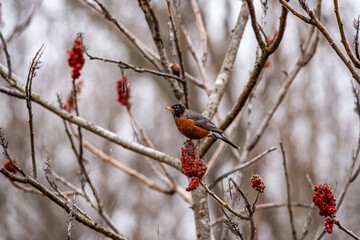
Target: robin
pixel 193 125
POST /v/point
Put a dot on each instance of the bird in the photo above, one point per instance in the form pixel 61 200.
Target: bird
pixel 193 125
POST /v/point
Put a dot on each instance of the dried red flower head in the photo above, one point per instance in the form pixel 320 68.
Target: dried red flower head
pixel 69 105
pixel 193 184
pixel 272 38
pixel 257 183
pixel 324 200
pixel 123 90
pixel 329 223
pixel 76 58
pixel 193 166
pixel 8 166
pixel 268 63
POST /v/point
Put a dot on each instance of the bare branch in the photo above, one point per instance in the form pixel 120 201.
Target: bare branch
pixel 226 68
pixel 253 79
pixel 154 28
pixel 231 225
pixel 12 93
pixel 288 190
pixel 337 222
pixel 222 203
pixel 307 222
pixel 255 25
pixel 174 29
pixel 23 25
pixel 201 27
pixel 241 166
pixel 316 22
pixel 356 37
pixel 79 216
pixel 342 35
pixel 221 147
pixel 138 69
pixel 147 52
pixel 250 209
pixel 106 134
pixel 7 55
pixel 297 14
pixel 70 219
pixel 35 65
pixel 133 173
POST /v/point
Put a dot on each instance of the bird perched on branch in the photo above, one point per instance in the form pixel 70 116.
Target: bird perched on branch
pixel 193 125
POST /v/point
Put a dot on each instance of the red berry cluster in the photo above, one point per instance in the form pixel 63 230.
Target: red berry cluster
pixel 76 58
pixel 193 166
pixel 69 105
pixel 123 90
pixel 329 224
pixel 257 183
pixel 8 166
pixel 325 201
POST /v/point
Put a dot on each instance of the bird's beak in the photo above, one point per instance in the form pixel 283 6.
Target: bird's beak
pixel 169 108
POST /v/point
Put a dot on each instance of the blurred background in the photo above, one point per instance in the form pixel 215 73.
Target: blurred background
pixel 316 121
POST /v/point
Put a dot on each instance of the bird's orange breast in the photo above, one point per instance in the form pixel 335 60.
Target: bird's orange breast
pixel 188 128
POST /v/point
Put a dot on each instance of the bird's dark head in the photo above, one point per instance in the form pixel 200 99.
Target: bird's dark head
pixel 177 110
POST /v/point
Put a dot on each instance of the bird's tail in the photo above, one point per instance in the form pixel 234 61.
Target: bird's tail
pixel 222 137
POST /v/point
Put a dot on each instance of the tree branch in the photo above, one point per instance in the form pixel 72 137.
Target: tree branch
pixel 343 36
pixel 102 132
pixel 226 68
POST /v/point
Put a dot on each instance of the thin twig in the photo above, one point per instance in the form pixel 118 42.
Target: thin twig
pixel 35 65
pixel 343 36
pixel 79 216
pixel 356 37
pixel 220 149
pixel 337 223
pixel 201 27
pixel 35 191
pixel 305 230
pixel 222 203
pixel 278 205
pixel 288 190
pixel 168 179
pixel 154 28
pixel 351 175
pixel 67 130
pixel 106 134
pixel 23 25
pixel 231 225
pixel 7 55
pixel 253 79
pixel 138 69
pixel 131 172
pixel 191 48
pixel 316 22
pixel 70 219
pixel 297 14
pixel 241 166
pixel 250 209
pixel 176 43
pixel 4 144
pixel 224 74
pixel 307 52
pixel 255 25
pixel 147 52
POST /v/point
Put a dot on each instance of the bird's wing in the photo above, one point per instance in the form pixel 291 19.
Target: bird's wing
pixel 202 121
